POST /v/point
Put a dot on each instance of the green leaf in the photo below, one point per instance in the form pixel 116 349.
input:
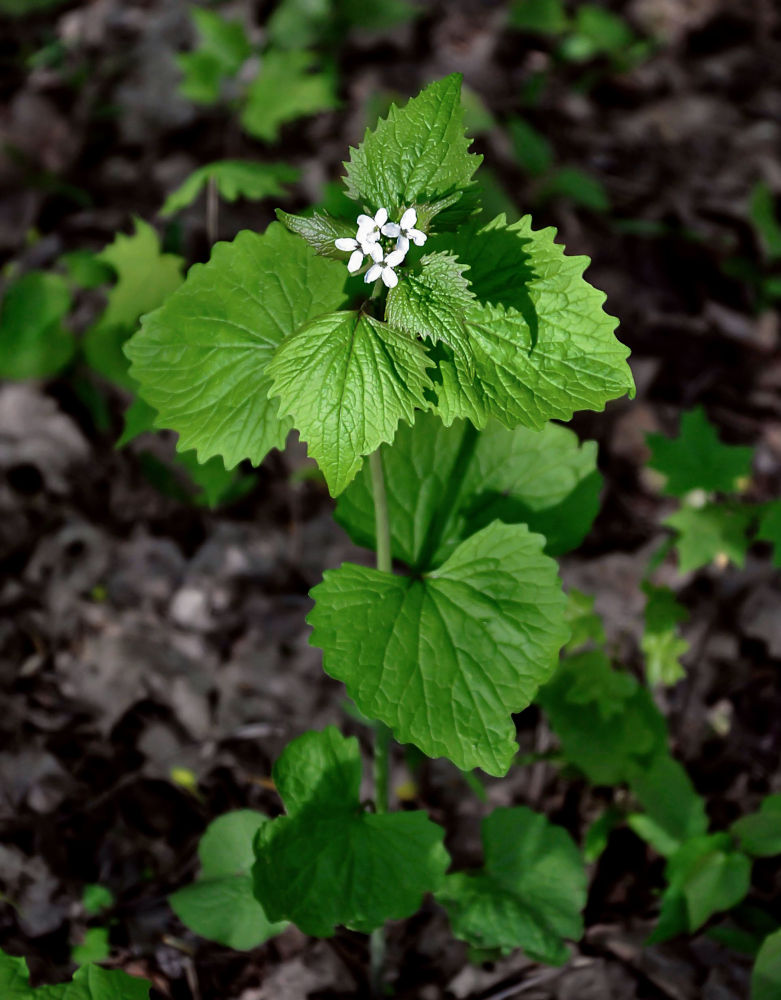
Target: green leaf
pixel 605 738
pixel 713 532
pixel 233 179
pixel 577 186
pixel 145 278
pixel 705 876
pixel 90 982
pixel 223 49
pixel 598 833
pixel 762 209
pixel 298 23
pixel 329 861
pixel 532 150
pixel 760 833
pixel 201 359
pixel 697 459
pixel 540 344
pixel 661 645
pixel 33 341
pixel 529 894
pixel 96 898
pixel 770 528
pixel 596 32
pixel 445 483
pixel 431 300
pixel 584 623
pixel 220 905
pixel 286 89
pixel 545 17
pixel 214 483
pixel 445 659
pixel 320 230
pixel 674 811
pixel 346 380
pixel 94 948
pixel 766 976
pixel 85 269
pixel 417 155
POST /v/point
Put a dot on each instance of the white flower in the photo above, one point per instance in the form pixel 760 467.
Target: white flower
pixel 369 228
pixel 385 270
pixel 360 249
pixel 405 231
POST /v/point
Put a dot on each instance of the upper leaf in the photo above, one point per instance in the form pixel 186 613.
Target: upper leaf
pixel 539 343
pixel 445 483
pixel 286 89
pixel 201 359
pixel 418 154
pixel 529 894
pixel 220 905
pixel 90 982
pixel 697 459
pixel 33 341
pixel 346 380
pixel 320 230
pixel 330 862
pixel 674 811
pixel 233 179
pixel 431 300
pixel 445 660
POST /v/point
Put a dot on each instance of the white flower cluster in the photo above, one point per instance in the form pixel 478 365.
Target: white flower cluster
pixel 368 243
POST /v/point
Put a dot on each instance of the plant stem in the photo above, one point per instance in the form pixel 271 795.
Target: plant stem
pixel 212 212
pixel 382 735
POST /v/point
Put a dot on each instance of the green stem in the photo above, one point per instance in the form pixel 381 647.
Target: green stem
pixel 382 735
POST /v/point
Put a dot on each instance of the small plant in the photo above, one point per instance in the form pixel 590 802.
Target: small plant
pixel 90 982
pixel 421 351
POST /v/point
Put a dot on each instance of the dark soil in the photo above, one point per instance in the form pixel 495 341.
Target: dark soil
pixel 138 634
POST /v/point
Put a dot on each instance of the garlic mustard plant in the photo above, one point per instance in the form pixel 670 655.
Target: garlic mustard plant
pixel 427 403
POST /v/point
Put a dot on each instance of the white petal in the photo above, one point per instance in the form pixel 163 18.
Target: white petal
pixel 374 251
pixel 355 261
pixel 365 222
pixel 391 229
pixel 417 237
pixel 346 243
pixel 409 218
pixel 389 277
pixel 402 244
pixel 395 257
pixel 381 216
pixel 373 273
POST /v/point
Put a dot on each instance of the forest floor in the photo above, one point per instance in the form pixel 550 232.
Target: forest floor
pixel 140 634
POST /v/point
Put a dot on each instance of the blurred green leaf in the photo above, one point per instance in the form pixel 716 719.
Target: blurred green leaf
pixel 762 209
pixel 94 948
pixel 697 459
pixel 760 833
pixel 223 48
pixel 33 341
pixel 661 645
pixel 577 186
pixel 544 17
pixel 233 179
pixel 532 150
pixel 715 532
pixel 288 87
pixel 766 977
